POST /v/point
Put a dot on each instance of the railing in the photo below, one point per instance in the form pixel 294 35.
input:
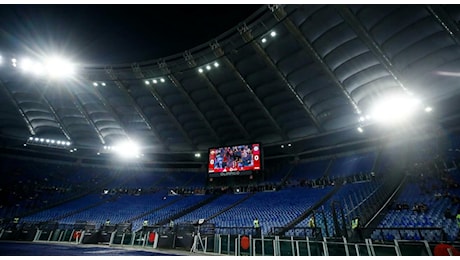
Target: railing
pixel 234 245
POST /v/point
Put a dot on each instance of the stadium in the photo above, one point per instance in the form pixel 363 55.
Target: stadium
pixel 300 130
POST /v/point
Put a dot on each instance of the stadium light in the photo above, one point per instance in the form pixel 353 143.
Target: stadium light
pixel 26 64
pixel 97 83
pixel 154 81
pixel 48 142
pixel 127 149
pixel 57 67
pixel 208 67
pixel 395 109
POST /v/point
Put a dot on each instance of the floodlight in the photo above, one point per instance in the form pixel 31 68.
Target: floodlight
pixel 216 64
pixel 37 69
pixel 155 81
pixel 127 149
pixel 26 64
pixel 200 70
pixel 273 34
pixel 264 40
pixel 360 129
pixel 162 80
pixel 395 108
pixel 208 67
pixel 59 68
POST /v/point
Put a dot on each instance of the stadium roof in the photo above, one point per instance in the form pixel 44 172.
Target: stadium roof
pixel 297 78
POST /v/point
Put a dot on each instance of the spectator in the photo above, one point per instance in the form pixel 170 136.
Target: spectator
pixel 257 227
pixel 356 230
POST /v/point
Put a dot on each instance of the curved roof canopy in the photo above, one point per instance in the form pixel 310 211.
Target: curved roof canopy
pixel 305 75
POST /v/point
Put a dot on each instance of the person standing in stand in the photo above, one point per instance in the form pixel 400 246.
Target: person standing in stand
pixel 312 225
pixel 257 227
pixel 356 229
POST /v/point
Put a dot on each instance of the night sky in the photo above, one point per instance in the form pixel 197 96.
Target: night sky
pixel 114 33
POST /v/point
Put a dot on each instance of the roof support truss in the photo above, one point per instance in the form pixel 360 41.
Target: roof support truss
pixel 178 85
pixel 192 63
pixel 229 110
pixel 220 54
pixel 10 96
pixel 280 14
pixel 247 36
pixel 139 74
pixel 446 21
pixel 81 109
pixel 373 46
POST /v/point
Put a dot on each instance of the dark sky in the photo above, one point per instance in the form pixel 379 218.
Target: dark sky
pixel 115 33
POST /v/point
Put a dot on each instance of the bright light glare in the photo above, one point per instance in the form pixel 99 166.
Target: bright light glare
pixel 59 68
pixel 31 66
pixel 26 64
pixel 395 109
pixel 128 149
